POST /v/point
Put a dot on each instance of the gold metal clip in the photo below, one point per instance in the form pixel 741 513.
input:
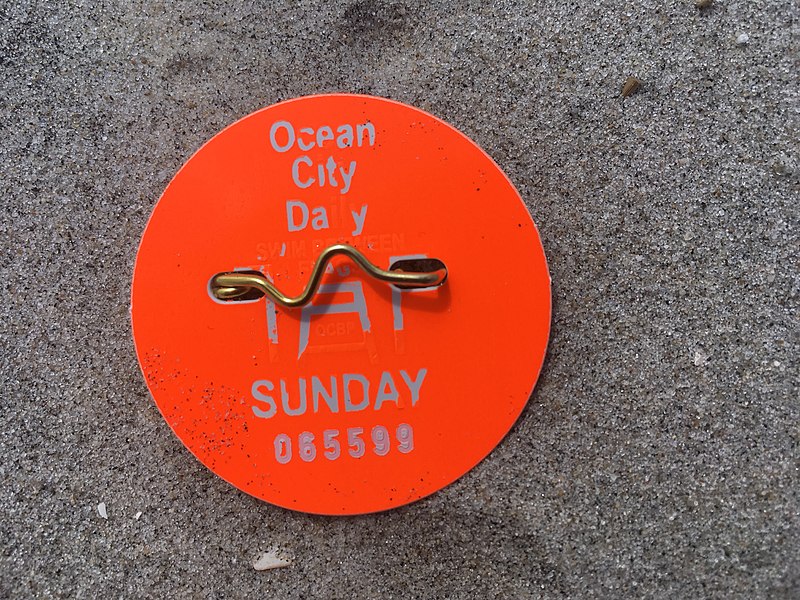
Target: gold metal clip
pixel 409 273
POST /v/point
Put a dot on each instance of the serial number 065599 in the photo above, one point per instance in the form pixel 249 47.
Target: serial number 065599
pixel 381 443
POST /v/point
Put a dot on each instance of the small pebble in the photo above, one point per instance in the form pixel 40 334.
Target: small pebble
pixel 271 559
pixel 630 86
pixel 700 358
pixel 742 40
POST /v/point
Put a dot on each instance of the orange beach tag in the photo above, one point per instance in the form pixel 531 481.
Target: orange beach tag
pixel 370 396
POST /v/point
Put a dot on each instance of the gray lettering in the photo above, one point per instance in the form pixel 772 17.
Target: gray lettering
pixel 324 134
pixel 414 386
pixel 318 390
pixel 387 391
pixel 301 409
pixel 344 139
pixel 331 166
pixel 320 218
pixel 370 129
pixel 262 397
pixel 296 172
pixel 358 219
pixel 305 147
pixel 358 306
pixel 290 214
pixel 348 404
pixel 273 133
pixel 347 177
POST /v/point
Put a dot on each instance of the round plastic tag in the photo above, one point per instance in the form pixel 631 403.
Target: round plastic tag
pixel 370 396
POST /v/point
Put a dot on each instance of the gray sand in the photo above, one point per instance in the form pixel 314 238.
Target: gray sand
pixel 658 456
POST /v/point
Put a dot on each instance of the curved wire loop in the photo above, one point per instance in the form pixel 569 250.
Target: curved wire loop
pixel 233 285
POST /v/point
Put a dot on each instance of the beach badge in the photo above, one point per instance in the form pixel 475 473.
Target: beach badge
pixel 340 304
